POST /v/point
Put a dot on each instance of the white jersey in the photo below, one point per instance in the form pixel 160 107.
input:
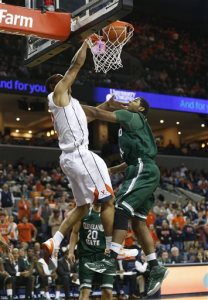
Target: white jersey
pixel 70 123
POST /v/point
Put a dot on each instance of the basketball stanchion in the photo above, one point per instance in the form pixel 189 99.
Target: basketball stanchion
pixel 106 48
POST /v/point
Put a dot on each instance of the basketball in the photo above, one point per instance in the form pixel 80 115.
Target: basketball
pixel 115 33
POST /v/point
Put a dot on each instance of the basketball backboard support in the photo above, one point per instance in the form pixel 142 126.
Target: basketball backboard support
pixel 87 17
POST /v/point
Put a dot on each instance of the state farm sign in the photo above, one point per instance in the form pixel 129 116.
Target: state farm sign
pixel 15 20
pixel 26 21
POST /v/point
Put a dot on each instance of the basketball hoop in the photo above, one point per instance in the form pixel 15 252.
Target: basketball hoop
pixel 106 48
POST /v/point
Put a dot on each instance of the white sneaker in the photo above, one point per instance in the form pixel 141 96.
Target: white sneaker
pixel 50 254
pixel 127 253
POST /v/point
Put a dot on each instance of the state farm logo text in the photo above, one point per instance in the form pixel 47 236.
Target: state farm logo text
pixel 12 19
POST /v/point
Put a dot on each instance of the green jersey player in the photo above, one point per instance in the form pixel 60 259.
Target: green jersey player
pixel 135 197
pixel 89 236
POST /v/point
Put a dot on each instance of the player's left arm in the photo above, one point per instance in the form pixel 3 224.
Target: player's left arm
pixel 104 106
pixel 99 114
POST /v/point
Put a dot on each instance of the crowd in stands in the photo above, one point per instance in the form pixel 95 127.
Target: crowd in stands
pixel 194 181
pixel 34 201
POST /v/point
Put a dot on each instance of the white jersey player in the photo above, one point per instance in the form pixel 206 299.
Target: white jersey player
pixel 86 171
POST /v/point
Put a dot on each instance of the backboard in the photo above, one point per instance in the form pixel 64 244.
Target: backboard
pixel 87 17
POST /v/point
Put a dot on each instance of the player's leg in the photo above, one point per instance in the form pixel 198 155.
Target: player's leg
pixel 157 272
pixel 84 294
pixel 85 277
pixel 107 218
pixel 75 171
pixel 107 287
pixel 103 193
pixel 120 227
pixel 51 246
pixel 107 294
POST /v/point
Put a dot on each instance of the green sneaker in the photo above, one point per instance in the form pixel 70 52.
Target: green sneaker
pixel 105 266
pixel 157 275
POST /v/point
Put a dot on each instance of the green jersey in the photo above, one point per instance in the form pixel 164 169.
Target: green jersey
pixel 91 235
pixel 135 137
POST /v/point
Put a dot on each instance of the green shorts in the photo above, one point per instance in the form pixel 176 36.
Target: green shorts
pixel 136 193
pixel 88 278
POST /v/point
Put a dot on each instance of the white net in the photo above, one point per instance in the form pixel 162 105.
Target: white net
pixel 106 49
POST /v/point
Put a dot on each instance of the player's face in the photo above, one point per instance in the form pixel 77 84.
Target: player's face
pixel 135 105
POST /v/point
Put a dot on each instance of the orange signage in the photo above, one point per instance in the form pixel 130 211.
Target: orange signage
pixel 27 21
pixel 185 280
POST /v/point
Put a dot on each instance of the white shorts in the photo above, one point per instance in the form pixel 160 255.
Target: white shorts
pixel 88 176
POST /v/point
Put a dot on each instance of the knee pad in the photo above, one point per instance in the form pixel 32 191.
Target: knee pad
pixel 121 219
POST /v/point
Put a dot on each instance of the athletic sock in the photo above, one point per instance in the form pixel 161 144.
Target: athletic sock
pixel 9 292
pixel 108 241
pixel 152 260
pixel 58 238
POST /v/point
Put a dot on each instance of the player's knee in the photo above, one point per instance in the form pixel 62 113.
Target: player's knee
pixel 84 294
pixel 138 225
pixel 121 219
pixel 106 294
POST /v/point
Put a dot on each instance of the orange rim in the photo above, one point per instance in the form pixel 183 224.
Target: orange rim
pixel 120 24
pixel 95 37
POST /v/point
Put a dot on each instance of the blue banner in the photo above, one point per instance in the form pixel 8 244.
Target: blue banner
pixel 22 87
pixel 158 101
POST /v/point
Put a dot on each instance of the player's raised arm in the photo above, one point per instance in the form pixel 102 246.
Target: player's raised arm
pixel 63 88
pixel 99 114
pixel 111 104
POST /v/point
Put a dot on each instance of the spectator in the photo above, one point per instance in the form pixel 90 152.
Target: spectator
pixel 141 266
pixel 16 268
pixel 67 273
pixel 177 236
pixel 190 213
pixel 27 231
pixel 165 235
pixel 200 258
pixel 164 259
pixel 46 278
pixel 160 218
pixel 179 219
pixel 24 206
pixel 12 231
pixel 189 234
pixel 55 221
pixel 6 199
pixel 175 258
pixel 6 281
pixel 45 213
pixel 153 233
pixel 130 239
pixel 151 218
pixel 4 231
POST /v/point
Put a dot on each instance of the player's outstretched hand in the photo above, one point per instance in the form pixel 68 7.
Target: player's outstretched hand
pixel 116 104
